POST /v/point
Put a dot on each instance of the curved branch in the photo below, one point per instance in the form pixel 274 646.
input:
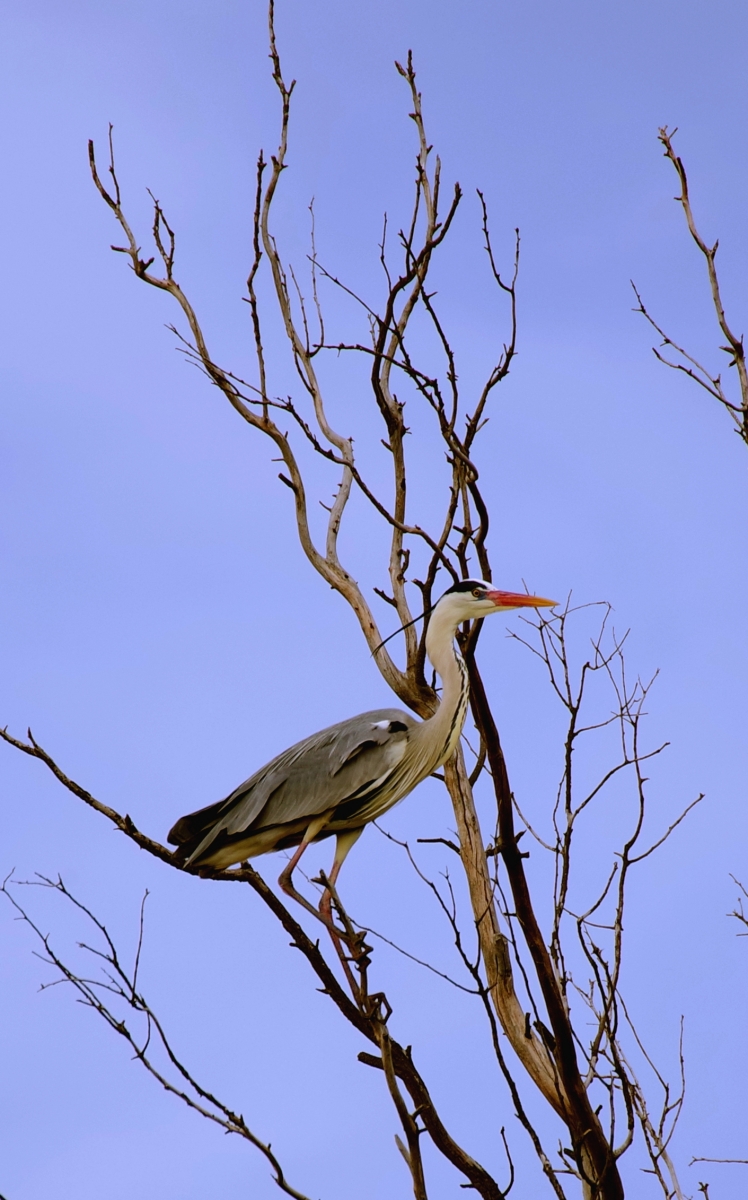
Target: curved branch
pixel 124 987
pixel 366 1020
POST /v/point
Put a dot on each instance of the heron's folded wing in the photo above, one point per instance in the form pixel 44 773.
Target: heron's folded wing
pixel 342 762
pixel 307 779
pixel 236 811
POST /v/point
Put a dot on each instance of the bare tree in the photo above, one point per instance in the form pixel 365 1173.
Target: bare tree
pixel 675 356
pixel 537 992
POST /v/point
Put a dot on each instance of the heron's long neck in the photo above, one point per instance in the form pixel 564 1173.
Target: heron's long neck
pixel 444 728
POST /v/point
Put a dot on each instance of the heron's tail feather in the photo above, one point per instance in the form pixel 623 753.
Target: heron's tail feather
pixel 189 830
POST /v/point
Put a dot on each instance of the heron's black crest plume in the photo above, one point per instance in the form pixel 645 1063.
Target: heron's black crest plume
pixel 466 585
pixel 463 585
pixel 390 636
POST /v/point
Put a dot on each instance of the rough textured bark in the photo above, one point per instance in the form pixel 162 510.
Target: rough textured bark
pixel 493 943
pixel 594 1155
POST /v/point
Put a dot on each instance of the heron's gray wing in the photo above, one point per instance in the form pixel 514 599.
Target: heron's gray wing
pixel 304 781
pixel 338 764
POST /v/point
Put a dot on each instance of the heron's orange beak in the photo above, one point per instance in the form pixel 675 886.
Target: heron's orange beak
pixel 518 600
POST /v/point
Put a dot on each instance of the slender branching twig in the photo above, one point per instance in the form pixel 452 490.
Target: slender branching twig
pixel 733 347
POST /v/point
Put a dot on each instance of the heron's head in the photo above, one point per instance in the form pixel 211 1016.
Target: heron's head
pixel 466 601
pixel 471 598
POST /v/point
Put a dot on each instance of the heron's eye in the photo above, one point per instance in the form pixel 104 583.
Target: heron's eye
pixel 479 593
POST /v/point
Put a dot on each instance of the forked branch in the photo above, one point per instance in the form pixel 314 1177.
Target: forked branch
pixel 548 1048
pixel 367 1012
pixel 116 990
pixel 684 361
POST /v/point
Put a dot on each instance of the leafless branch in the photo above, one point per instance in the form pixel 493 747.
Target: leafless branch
pixel 569 1072
pixel 743 1162
pixel 739 912
pixel 122 985
pixel 706 379
pixel 364 1011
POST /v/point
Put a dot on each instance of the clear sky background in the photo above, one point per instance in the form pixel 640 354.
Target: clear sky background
pixel 163 637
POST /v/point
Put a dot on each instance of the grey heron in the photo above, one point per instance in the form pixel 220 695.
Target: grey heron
pixel 338 780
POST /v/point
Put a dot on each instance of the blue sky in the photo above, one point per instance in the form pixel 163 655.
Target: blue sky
pixel 160 631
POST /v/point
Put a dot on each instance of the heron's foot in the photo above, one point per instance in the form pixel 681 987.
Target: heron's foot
pixel 325 909
pixel 329 896
pixel 377 1005
pixel 353 938
pixel 359 950
pixel 286 884
pixel 346 934
pixel 349 944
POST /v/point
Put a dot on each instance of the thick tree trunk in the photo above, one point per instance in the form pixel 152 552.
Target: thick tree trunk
pixel 493 943
pixel 555 1073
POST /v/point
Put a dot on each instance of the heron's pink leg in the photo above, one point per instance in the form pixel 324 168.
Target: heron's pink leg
pixel 344 843
pixel 325 910
pixel 325 904
pixel 286 884
pixel 342 846
pixel 285 879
